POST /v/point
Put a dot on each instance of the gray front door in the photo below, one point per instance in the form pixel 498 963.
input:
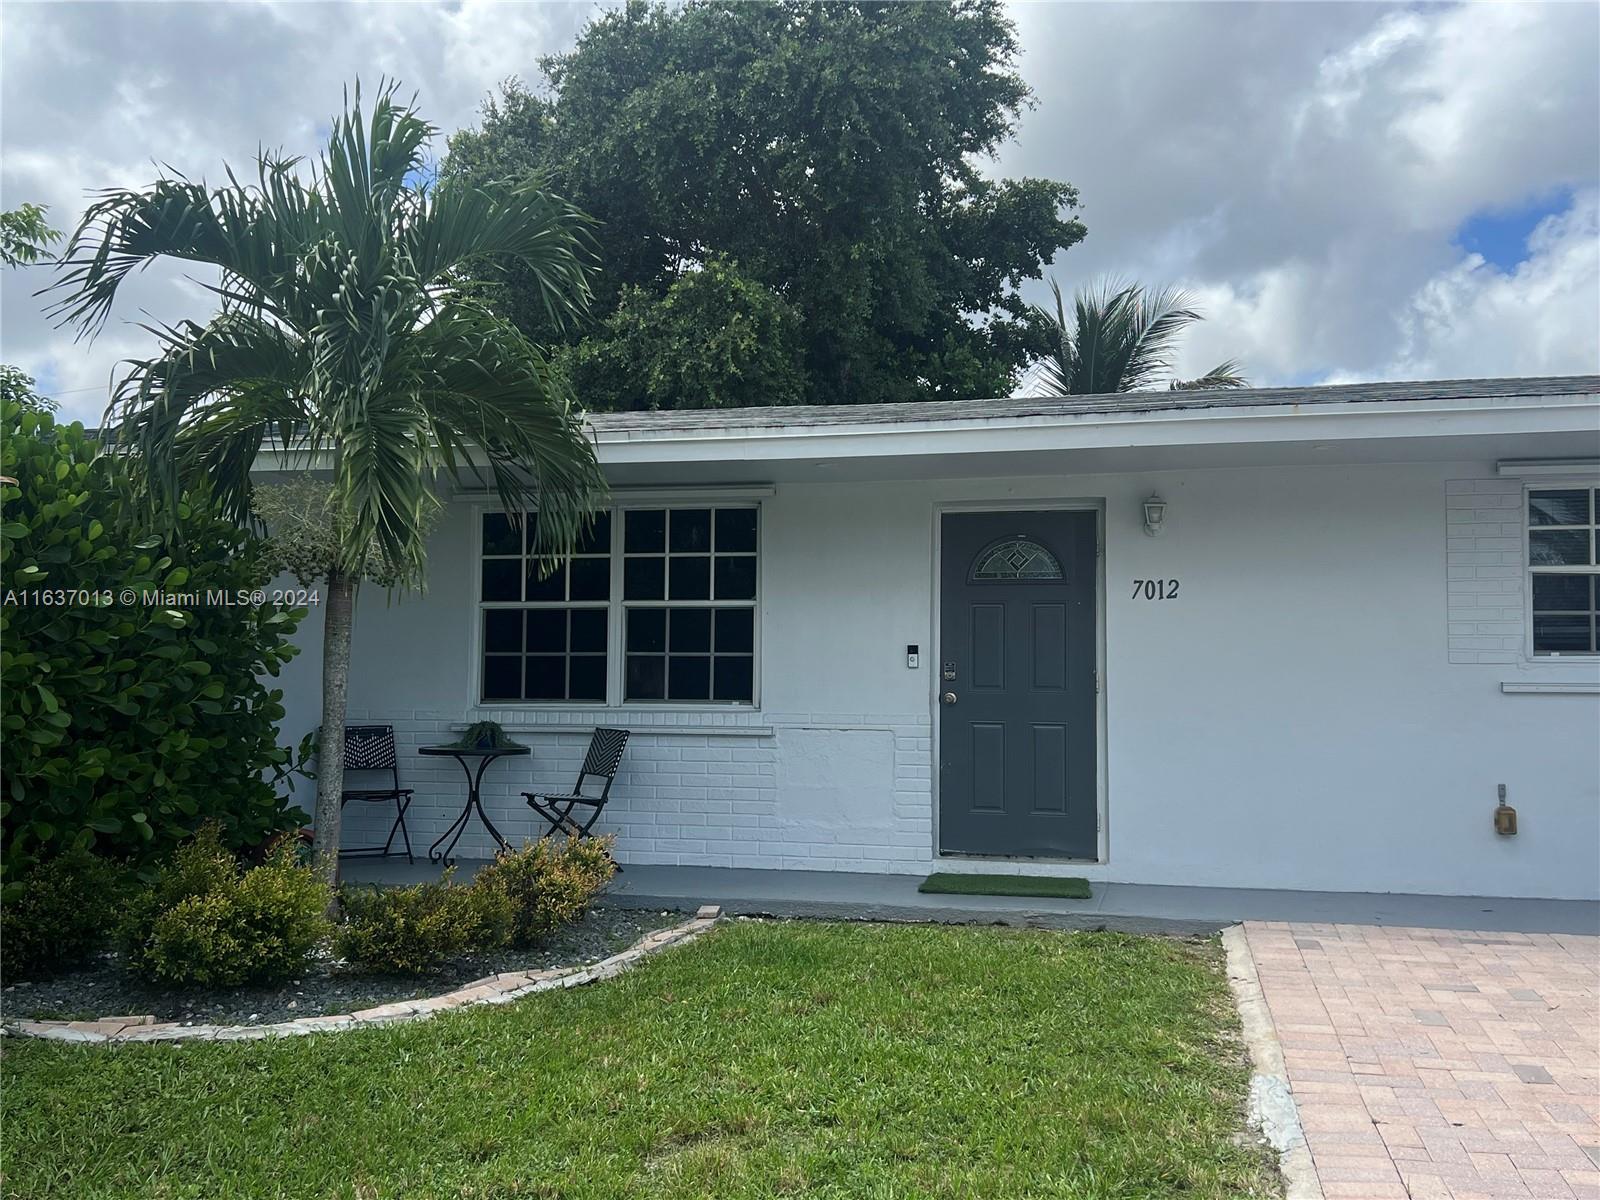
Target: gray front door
pixel 1016 676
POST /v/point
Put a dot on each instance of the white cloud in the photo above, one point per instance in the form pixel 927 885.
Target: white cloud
pixel 1303 167
pixel 1475 320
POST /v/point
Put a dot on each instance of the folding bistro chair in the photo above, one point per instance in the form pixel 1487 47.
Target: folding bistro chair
pixel 370 748
pixel 601 762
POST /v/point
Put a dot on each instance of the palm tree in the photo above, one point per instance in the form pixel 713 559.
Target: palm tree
pixel 344 339
pixel 1120 340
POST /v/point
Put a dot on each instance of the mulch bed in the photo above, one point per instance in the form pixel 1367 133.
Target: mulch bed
pixel 105 989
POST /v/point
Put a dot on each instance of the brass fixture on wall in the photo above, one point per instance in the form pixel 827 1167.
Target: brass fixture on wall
pixel 1505 817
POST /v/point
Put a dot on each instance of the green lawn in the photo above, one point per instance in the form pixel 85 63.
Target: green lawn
pixel 793 1059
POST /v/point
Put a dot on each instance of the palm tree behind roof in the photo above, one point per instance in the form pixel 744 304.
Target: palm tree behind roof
pixel 1120 338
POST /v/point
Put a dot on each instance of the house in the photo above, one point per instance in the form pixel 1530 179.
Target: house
pixel 1277 638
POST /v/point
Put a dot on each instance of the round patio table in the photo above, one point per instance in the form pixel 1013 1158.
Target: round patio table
pixel 485 755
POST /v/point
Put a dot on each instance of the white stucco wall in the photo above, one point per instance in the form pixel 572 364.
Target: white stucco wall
pixel 1294 720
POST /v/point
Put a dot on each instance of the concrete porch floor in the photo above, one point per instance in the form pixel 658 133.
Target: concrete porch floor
pixel 1130 907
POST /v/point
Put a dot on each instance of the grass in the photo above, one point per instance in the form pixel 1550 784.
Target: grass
pixel 794 1059
pixel 1068 887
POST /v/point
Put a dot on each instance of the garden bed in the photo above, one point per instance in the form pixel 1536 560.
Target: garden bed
pixel 326 987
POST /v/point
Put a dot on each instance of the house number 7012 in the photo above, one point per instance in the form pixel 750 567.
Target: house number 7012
pixel 1155 589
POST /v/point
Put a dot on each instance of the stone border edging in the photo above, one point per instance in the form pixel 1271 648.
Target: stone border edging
pixel 491 989
pixel 1272 1106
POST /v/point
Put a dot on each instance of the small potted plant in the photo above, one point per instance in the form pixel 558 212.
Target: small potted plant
pixel 485 735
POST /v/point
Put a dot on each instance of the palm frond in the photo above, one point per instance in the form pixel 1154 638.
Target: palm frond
pixel 1224 375
pixel 484 387
pixel 458 223
pixel 1057 371
pixel 1120 338
pixel 202 407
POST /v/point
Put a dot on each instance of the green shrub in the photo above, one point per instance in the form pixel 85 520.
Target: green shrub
pixel 127 726
pixel 64 909
pixel 550 882
pixel 205 921
pixel 413 930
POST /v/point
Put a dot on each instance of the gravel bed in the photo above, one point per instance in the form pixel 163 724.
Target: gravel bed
pixel 104 989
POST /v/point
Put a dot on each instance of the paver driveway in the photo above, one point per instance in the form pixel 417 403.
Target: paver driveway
pixel 1436 1063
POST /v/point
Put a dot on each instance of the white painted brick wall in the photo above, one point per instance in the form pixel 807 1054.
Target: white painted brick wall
pixel 1484 570
pixel 694 789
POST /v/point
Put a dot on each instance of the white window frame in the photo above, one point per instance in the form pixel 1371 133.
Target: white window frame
pixel 616 610
pixel 1553 484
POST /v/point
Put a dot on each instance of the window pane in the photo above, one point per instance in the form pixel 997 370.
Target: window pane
pixel 588 677
pixel 1558 547
pixel 502 630
pixel 647 677
pixel 644 579
pixel 736 529
pixel 598 539
pixel 734 679
pixel 735 630
pixel 591 578
pixel 689 678
pixel 689 531
pixel 551 587
pixel 647 629
pixel 1561 593
pixel 588 630
pixel 644 531
pixel 690 629
pixel 691 578
pixel 502 677
pixel 547 630
pixel 1561 634
pixel 502 579
pixel 546 677
pixel 1566 507
pixel 736 577
pixel 498 535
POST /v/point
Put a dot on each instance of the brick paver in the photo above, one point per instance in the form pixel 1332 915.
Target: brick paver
pixel 1432 1063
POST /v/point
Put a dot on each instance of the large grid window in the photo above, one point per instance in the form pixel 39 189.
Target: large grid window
pixel 1566 578
pixel 672 589
pixel 545 633
pixel 689 600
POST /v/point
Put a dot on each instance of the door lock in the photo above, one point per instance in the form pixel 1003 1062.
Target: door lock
pixel 948 697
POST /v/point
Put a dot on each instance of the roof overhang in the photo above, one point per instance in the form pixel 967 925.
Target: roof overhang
pixel 1483 420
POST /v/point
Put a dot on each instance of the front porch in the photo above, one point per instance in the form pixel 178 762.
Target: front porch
pixel 1129 907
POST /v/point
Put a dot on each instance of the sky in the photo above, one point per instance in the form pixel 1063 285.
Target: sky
pixel 1350 191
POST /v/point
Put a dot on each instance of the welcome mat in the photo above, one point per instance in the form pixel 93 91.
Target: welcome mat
pixel 1066 888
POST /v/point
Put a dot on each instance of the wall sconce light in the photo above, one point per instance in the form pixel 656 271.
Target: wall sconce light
pixel 1155 514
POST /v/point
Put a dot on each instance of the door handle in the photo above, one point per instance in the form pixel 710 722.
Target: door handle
pixel 948 697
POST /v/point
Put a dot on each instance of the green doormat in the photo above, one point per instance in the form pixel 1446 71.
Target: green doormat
pixel 1067 888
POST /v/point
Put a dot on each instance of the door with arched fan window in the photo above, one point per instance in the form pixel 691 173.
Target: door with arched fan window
pixel 1016 665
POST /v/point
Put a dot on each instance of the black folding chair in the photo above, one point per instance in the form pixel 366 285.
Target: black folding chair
pixel 370 749
pixel 601 762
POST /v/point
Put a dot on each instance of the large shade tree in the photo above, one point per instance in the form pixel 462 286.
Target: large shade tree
pixel 344 338
pixel 827 161
pixel 1120 337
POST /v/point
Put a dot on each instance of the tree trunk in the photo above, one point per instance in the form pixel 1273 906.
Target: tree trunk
pixel 337 619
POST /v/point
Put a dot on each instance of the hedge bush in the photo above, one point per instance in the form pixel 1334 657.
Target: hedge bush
pixel 62 911
pixel 551 882
pixel 414 930
pixel 128 725
pixel 205 921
